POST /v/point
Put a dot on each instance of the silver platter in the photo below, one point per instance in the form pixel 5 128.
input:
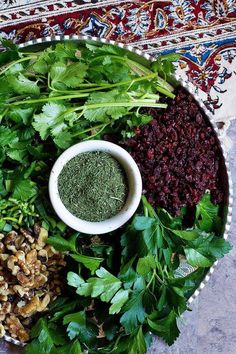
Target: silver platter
pixel 43 42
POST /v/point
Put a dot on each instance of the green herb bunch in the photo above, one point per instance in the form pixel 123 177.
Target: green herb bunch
pixel 125 285
pixel 119 301
pixel 53 98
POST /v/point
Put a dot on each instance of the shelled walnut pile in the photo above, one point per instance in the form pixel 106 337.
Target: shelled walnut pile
pixel 30 278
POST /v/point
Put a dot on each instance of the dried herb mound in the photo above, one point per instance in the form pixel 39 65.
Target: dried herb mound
pixel 178 155
pixel 93 186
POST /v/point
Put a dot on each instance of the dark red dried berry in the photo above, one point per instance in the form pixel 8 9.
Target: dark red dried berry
pixel 178 155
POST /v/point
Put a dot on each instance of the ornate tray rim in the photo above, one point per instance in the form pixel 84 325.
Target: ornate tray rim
pixel 183 83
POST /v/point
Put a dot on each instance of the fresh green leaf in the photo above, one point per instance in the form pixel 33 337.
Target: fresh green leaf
pixel 50 118
pixel 118 301
pixel 24 189
pixel 142 222
pixel 146 265
pixel 188 235
pixel 104 109
pixel 7 136
pixel 133 312
pixel 92 263
pixel 196 259
pixel 166 327
pixel 61 244
pixel 64 139
pixel 137 343
pixel 206 214
pixel 75 317
pixel 22 85
pixel 74 279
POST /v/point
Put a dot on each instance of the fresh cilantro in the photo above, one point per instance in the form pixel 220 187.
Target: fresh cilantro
pixel 49 119
pixel 22 85
pixel 70 75
pixel 104 113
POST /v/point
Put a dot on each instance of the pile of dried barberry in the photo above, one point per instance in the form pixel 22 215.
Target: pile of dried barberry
pixel 178 155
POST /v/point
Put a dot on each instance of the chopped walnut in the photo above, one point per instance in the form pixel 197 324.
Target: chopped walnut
pixel 29 279
pixel 16 328
pixel 2 330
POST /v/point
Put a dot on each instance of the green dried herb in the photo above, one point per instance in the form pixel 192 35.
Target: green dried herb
pixel 93 186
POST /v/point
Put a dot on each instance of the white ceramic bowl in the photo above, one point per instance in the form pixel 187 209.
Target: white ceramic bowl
pixel 134 185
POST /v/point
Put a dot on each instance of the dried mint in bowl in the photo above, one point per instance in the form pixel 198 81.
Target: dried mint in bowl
pixel 93 186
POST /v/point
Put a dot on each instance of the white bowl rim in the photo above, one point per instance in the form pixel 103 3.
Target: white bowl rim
pixel 134 181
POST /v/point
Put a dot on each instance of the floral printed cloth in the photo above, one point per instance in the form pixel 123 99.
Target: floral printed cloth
pixel 203 32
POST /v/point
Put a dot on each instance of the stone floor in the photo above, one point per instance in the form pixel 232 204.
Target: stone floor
pixel 210 328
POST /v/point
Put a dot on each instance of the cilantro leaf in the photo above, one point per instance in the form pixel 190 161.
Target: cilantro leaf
pixel 79 327
pixel 50 118
pixel 218 247
pixel 203 251
pixel 75 317
pixel 105 112
pixel 105 285
pixel 7 136
pixel 74 74
pixel 22 85
pixel 64 139
pixel 47 335
pixel 24 189
pixel 21 115
pixel 133 312
pixel 19 155
pixel 142 222
pixel 188 235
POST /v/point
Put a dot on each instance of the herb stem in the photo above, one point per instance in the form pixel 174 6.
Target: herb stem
pixel 87 130
pixel 17 62
pixel 9 218
pixel 165 92
pixel 150 209
pixel 105 86
pixel 92 136
pixel 48 99
pixel 137 103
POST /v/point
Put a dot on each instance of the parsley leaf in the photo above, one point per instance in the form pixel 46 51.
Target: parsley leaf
pixel 133 312
pixel 206 214
pixel 165 327
pixel 92 263
pixel 61 244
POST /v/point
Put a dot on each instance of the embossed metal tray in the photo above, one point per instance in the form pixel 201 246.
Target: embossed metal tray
pixel 140 56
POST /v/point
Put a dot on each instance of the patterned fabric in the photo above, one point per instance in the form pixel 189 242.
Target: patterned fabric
pixel 203 32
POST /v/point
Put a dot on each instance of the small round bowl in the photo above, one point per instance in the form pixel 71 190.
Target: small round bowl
pixel 134 187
